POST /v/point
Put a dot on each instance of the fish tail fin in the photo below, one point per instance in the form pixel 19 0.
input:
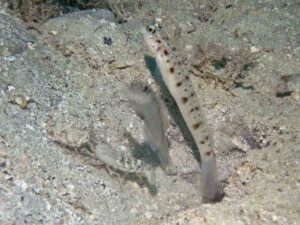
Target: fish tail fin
pixel 209 179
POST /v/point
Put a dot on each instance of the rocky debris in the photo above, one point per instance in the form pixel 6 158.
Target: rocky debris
pixel 58 97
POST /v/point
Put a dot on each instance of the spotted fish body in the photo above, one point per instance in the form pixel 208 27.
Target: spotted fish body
pixel 106 154
pixel 181 88
pixel 147 106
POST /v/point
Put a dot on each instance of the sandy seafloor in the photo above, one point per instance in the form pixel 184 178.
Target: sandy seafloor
pixel 69 76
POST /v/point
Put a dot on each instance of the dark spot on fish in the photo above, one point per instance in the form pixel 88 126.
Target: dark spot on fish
pixel 178 84
pixel 187 77
pixel 184 100
pixel 158 41
pixel 172 69
pixel 197 125
pixel 194 109
pixel 192 94
pixel 168 61
pixel 166 52
pixel 185 90
pixel 208 153
pixel 202 142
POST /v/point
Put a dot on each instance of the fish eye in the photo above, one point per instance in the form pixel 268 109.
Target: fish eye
pixel 151 29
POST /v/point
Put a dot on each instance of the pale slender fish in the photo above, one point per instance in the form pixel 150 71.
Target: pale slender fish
pixel 178 82
pixel 148 107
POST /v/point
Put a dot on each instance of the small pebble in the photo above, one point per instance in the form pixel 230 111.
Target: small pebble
pixel 274 218
pixel 188 48
pixel 3 154
pixel 133 211
pixel 36 190
pixel 10 88
pixel 29 127
pixel 8 177
pixel 30 45
pixel 148 215
pixel 2 164
pixel 254 49
pixel 71 187
pixel 177 207
pixel 21 184
pixel 48 206
pixel 149 81
pixel 10 58
pixel 21 100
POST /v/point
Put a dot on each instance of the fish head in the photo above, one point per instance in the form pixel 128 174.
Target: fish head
pixel 139 95
pixel 141 91
pixel 151 38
